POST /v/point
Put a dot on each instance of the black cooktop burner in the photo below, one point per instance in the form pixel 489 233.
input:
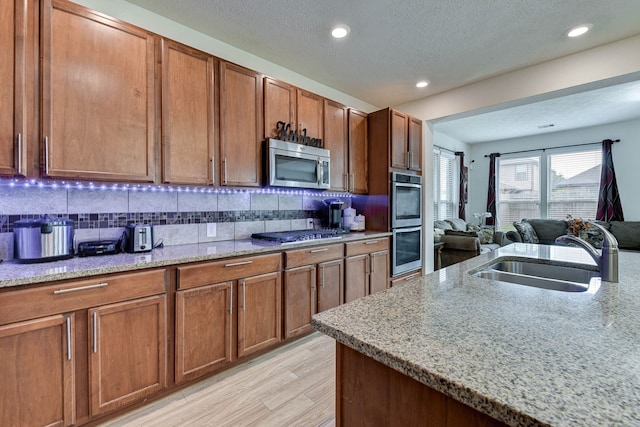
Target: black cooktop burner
pixel 298 235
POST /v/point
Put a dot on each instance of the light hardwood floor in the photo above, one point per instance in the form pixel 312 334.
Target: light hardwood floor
pixel 291 386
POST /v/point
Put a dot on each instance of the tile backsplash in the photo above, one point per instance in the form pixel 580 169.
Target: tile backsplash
pixel 177 217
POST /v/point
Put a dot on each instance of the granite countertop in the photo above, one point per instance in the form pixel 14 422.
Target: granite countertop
pixel 523 355
pixel 13 273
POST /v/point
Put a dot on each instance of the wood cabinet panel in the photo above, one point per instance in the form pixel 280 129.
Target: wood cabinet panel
pixel 366 246
pixel 279 105
pixel 358 152
pixel 330 284
pixel 299 300
pixel 227 269
pixel 314 255
pixel 336 140
pixel 38 386
pixel 401 280
pixel 379 276
pixel 310 113
pixel 111 139
pixel 414 144
pixel 356 277
pixel 127 360
pixel 259 313
pixel 204 334
pixel 241 126
pixel 78 294
pixel 398 139
pixel 188 114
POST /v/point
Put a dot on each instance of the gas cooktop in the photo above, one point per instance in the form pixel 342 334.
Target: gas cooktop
pixel 299 235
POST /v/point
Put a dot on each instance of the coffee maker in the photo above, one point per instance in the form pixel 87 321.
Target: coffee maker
pixel 331 213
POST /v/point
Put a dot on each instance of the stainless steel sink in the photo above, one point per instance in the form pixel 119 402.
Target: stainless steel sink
pixel 545 276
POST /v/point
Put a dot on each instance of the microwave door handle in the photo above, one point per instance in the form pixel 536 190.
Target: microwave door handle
pixel 319 172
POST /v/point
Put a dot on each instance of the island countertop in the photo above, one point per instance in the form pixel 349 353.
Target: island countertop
pixel 523 355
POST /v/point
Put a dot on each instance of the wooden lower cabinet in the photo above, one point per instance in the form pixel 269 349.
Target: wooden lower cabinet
pixel 204 330
pixel 366 268
pixel 356 277
pixel 259 312
pixel 37 371
pixel 127 356
pixel 299 300
pixel 330 284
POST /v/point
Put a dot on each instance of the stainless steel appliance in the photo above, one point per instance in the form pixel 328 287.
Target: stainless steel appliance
pixel 295 165
pixel 407 250
pixel 406 200
pixel 294 236
pixel 139 238
pixel 42 239
pixel 331 213
pixel 406 222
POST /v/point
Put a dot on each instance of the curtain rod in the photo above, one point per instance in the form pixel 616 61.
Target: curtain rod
pixel 552 148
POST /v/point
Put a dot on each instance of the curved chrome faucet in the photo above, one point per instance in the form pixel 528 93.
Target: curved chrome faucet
pixel 607 261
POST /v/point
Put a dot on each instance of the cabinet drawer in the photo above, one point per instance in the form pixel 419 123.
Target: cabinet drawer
pixel 227 269
pixel 366 246
pixel 78 294
pixel 313 255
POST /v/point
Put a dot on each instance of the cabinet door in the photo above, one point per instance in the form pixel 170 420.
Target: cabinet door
pixel 12 87
pixel 127 356
pixel 37 372
pixel 356 280
pixel 240 125
pixel 415 144
pixel 398 139
pixel 379 278
pixel 299 300
pixel 203 330
pixel 279 105
pixel 336 140
pixel 358 153
pixel 330 284
pixel 310 112
pixel 259 312
pixel 98 96
pixel 187 115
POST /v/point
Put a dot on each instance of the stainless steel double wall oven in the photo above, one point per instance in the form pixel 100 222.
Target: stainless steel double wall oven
pixel 406 222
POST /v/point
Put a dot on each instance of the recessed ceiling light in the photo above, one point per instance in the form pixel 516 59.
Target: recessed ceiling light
pixel 579 30
pixel 423 83
pixel 340 31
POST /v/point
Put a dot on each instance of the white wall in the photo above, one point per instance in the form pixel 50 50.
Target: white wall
pixel 626 159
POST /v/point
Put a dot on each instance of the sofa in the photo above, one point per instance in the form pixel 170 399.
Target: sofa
pixel 463 240
pixel 545 231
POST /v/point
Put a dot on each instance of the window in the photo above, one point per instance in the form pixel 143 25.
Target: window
pixel 445 185
pixel 553 184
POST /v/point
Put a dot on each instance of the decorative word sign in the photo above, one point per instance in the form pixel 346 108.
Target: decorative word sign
pixel 285 133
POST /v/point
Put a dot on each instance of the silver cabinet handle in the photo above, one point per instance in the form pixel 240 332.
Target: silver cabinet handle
pixel 318 250
pixel 235 264
pixel 224 164
pixel 46 155
pixel 410 277
pixel 346 177
pixel 19 165
pixel 373 264
pixel 244 295
pixel 95 332
pixel 231 299
pixel 213 170
pixel 80 288
pixel 352 181
pixel 322 277
pixel 68 338
pixel 371 242
pixel 410 160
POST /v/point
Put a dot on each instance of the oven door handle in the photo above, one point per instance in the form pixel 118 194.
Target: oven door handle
pixel 407 229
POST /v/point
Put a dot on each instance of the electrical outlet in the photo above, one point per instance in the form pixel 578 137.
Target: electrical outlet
pixel 309 223
pixel 211 229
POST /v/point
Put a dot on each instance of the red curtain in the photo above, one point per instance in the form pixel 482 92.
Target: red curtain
pixel 609 205
pixel 491 193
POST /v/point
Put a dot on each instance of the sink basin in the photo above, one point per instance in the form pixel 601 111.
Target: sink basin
pixel 545 276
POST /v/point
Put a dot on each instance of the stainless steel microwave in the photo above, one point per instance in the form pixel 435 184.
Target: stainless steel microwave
pixel 295 165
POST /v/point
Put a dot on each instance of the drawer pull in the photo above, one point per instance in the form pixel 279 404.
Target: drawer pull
pixel 81 288
pixel 410 277
pixel 371 242
pixel 235 264
pixel 315 251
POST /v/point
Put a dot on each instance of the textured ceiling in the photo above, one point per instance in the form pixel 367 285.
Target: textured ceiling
pixel 395 43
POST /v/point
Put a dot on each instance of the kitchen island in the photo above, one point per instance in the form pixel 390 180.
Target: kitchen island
pixel 523 356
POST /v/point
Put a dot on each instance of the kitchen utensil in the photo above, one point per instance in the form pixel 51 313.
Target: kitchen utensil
pixel 43 239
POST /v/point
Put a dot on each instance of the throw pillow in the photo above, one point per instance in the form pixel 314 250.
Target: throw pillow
pixel 457 223
pixel 473 227
pixel 460 233
pixel 526 231
pixel 485 235
pixel 442 225
pixel 437 234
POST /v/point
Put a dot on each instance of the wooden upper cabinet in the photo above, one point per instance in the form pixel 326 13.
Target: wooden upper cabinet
pixel 98 96
pixel 310 114
pixel 18 45
pixel 358 152
pixel 414 144
pixel 241 127
pixel 336 140
pixel 398 142
pixel 279 105
pixel 188 114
